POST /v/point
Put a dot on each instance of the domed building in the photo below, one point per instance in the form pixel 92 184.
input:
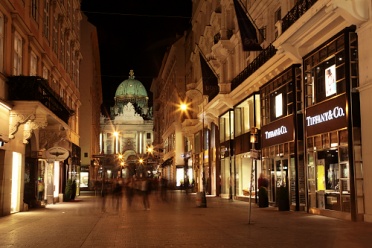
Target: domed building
pixel 127 134
pixel 131 91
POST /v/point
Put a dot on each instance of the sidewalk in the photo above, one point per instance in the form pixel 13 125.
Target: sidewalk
pixel 176 223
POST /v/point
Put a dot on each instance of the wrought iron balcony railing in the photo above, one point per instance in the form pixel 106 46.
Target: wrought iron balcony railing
pixel 296 12
pixel 261 59
pixel 34 88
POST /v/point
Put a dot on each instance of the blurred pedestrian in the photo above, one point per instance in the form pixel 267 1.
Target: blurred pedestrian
pixel 116 195
pixel 187 185
pixel 145 190
pixel 103 195
pixel 129 191
pixel 73 190
pixel 263 183
pixel 163 188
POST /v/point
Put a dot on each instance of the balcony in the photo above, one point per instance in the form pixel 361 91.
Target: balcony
pixel 261 59
pixel 296 12
pixel 33 88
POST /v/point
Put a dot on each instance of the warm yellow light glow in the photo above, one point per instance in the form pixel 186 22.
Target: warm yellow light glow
pixel 140 160
pixel 116 134
pixel 56 168
pixel 150 149
pixel 120 156
pixel 183 106
pixel 16 181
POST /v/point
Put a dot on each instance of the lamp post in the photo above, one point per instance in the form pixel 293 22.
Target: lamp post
pixel 254 156
pixel 201 199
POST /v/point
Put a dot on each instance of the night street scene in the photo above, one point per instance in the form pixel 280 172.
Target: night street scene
pixel 188 123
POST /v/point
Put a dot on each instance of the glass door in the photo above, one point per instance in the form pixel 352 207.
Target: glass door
pixel 281 167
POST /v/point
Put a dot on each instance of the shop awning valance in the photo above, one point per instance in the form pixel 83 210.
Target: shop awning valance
pixel 167 162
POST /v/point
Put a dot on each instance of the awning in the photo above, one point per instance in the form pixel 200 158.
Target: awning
pixel 167 162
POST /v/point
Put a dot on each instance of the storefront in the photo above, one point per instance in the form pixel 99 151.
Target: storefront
pixel 282 137
pixel 332 129
pixel 239 166
pixel 226 150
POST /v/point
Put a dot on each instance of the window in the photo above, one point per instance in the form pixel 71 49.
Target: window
pixel 33 64
pixel 278 105
pixel 77 80
pixel 68 58
pixel 281 96
pixel 62 94
pixel 46 19
pixel 62 48
pixel 55 36
pixel 326 67
pixel 330 80
pixel 278 15
pixel 244 115
pixel 45 73
pixel 34 9
pixel 1 42
pixel 17 59
pixel 262 34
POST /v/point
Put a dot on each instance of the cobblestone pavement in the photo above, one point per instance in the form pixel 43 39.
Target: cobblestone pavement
pixel 175 223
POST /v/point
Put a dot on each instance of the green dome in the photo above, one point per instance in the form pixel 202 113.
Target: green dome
pixel 131 88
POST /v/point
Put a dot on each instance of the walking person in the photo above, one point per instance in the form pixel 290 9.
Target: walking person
pixel 163 188
pixel 145 190
pixel 104 195
pixel 117 194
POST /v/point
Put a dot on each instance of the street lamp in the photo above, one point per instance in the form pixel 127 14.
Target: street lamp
pixel 201 199
pixel 121 164
pixel 254 156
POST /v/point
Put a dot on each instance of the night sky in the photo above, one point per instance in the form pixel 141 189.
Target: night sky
pixel 134 34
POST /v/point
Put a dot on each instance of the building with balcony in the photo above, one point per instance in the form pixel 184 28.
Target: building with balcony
pixel 291 103
pixel 40 101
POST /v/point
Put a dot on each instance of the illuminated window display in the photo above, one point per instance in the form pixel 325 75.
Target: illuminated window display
pixel 282 154
pixel 332 128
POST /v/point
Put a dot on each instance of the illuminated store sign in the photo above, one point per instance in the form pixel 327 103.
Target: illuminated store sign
pixel 337 112
pixel 327 116
pixel 279 131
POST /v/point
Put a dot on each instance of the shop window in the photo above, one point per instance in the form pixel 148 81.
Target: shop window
pixel 344 153
pixel 326 68
pixel 318 142
pixel 323 54
pixel 278 97
pixel 325 140
pixel 334 139
pixel 343 137
pixel 291 147
pixel 310 143
pixel 272 151
pixel 332 48
pixel 238 121
pixel 279 103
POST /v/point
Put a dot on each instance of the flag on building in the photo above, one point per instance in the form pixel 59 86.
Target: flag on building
pixel 248 31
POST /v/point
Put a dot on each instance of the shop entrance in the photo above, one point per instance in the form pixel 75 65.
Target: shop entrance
pixel 279 176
